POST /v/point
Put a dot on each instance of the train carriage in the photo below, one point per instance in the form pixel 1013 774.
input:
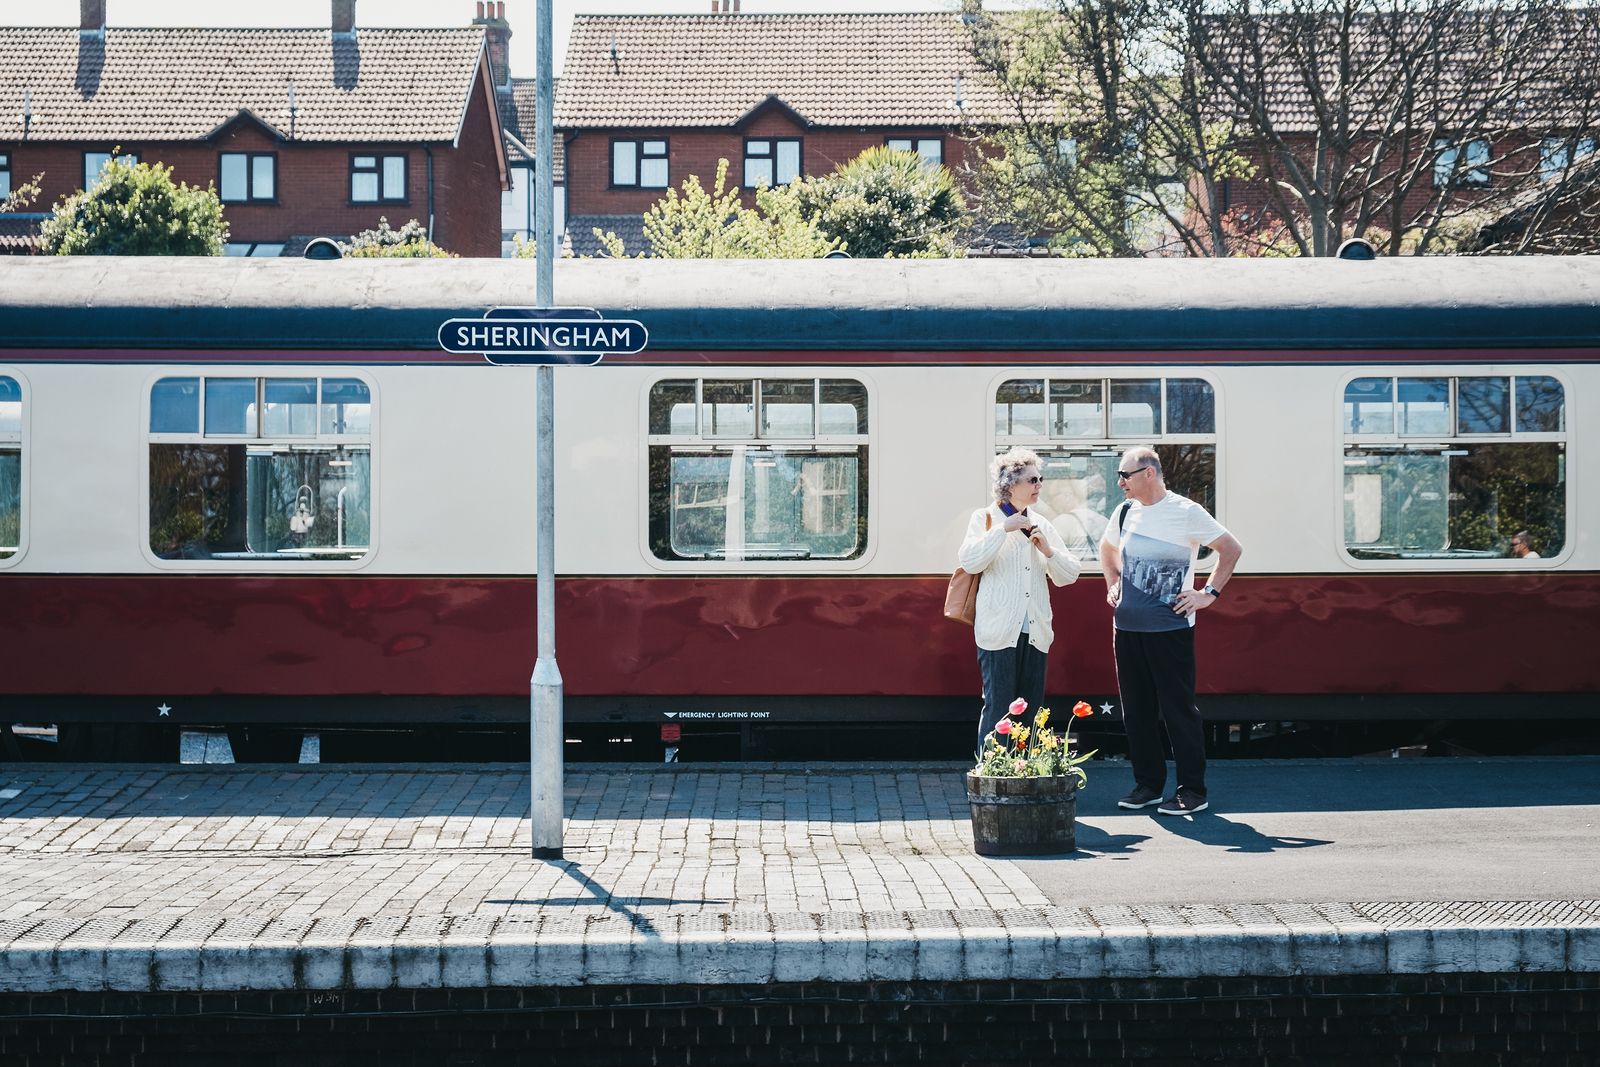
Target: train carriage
pixel 257 492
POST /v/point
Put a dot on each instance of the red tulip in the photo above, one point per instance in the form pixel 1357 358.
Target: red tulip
pixel 1018 706
pixel 1082 710
pixel 1004 727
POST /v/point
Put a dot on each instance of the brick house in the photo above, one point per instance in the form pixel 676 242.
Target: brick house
pixel 1477 128
pixel 647 100
pixel 518 120
pixel 304 132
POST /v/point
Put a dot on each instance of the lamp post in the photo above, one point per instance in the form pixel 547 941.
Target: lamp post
pixel 547 733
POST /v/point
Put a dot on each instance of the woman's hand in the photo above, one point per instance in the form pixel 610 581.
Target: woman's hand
pixel 1039 542
pixel 1014 522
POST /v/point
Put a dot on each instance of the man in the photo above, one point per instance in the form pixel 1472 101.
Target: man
pixel 1148 554
pixel 1522 545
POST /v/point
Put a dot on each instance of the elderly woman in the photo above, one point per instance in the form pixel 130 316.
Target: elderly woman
pixel 1014 552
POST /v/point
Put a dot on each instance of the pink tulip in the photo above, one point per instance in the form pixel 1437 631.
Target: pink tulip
pixel 1018 706
pixel 1004 727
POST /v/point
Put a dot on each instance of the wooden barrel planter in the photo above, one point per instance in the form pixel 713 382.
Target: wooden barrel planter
pixel 1023 816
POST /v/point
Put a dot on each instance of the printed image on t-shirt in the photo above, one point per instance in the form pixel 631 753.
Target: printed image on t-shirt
pixel 1151 583
pixel 1158 544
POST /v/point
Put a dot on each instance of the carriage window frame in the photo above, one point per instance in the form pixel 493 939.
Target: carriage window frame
pixel 1062 447
pixel 1423 444
pixel 700 440
pixel 19 438
pixel 263 564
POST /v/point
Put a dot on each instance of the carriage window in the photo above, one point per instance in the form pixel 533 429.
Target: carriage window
pixel 1493 465
pixel 260 468
pixel 1081 433
pixel 758 469
pixel 10 467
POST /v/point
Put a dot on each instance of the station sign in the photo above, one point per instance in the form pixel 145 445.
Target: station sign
pixel 525 336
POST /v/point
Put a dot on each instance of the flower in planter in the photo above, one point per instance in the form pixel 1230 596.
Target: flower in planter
pixel 1007 752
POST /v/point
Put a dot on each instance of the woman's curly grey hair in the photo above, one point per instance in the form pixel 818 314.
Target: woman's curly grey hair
pixel 1006 471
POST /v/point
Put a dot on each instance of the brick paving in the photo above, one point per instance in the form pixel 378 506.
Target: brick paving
pixel 351 843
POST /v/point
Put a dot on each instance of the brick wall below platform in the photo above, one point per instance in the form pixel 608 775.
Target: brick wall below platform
pixel 1460 1020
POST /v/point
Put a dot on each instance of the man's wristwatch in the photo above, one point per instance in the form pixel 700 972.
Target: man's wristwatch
pixel 1209 588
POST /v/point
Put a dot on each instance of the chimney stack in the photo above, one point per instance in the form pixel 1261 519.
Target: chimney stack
pixel 344 17
pixel 724 8
pixel 92 16
pixel 497 31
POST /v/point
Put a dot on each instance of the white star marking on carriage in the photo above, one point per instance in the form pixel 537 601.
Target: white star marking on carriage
pixel 164 711
pixel 1105 709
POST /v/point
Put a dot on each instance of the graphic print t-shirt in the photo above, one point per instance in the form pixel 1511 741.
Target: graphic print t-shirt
pixel 1160 544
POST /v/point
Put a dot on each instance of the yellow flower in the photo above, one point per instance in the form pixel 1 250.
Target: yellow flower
pixel 1019 734
pixel 1042 717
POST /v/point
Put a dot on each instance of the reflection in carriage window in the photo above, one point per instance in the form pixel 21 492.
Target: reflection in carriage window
pixel 295 484
pixel 1082 435
pixel 1456 496
pixel 10 467
pixel 796 488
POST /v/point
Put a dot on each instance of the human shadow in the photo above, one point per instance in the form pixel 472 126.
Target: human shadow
pixel 1206 829
pixel 599 894
pixel 1095 843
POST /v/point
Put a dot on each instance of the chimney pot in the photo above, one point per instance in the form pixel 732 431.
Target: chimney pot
pixel 480 9
pixel 344 16
pixel 92 15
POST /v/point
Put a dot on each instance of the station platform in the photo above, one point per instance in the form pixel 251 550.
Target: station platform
pixel 149 879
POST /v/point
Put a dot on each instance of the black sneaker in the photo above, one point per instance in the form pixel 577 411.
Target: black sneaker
pixel 1184 803
pixel 1141 797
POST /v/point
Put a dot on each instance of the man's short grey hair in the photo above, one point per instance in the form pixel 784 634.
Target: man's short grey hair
pixel 1007 470
pixel 1144 456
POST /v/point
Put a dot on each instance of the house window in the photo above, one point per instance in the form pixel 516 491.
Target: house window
pixel 10 467
pixel 1441 467
pixel 1080 426
pixel 1558 153
pixel 931 149
pixel 5 174
pixel 260 468
pixel 378 179
pixel 1474 166
pixel 639 164
pixel 769 161
pixel 257 250
pixel 758 469
pixel 247 176
pixel 96 162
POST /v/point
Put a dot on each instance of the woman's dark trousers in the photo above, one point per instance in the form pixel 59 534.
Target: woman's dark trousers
pixel 1155 673
pixel 1007 675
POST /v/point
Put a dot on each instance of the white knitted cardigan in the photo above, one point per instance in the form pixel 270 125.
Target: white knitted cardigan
pixel 1013 579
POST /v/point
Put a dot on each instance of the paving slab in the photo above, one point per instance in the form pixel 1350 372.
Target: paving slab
pixel 141 878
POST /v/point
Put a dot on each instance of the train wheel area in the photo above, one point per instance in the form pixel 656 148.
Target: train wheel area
pixel 770 742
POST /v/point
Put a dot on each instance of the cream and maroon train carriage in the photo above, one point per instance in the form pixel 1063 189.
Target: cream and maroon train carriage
pixel 256 492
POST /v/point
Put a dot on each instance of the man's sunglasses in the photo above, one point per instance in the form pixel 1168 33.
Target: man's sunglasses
pixel 1123 476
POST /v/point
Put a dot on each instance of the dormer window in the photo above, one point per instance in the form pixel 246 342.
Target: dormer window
pixel 771 161
pixel 246 177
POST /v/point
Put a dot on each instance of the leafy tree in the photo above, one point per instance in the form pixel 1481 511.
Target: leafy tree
pixel 715 224
pixel 22 196
pixel 1127 120
pixel 134 209
pixel 886 203
pixel 385 242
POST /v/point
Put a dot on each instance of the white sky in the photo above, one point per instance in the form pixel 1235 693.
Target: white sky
pixel 520 13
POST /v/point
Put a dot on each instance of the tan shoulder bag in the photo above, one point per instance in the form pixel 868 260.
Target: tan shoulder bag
pixel 961 597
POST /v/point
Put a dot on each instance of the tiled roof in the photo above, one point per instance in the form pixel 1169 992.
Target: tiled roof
pixel 711 70
pixel 19 233
pixel 581 241
pixel 1470 73
pixel 133 85
pixel 517 118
